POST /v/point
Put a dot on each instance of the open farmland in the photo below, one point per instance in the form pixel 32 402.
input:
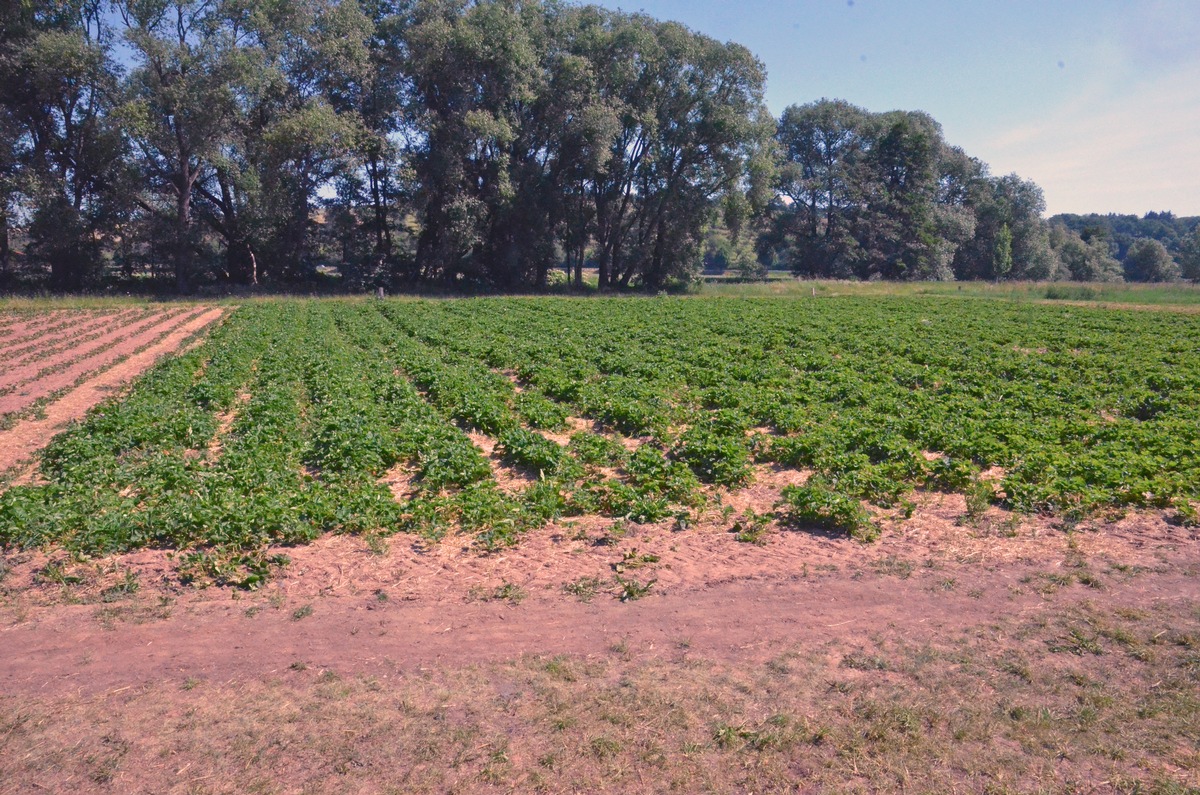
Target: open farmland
pixel 619 545
pixel 55 365
pixel 492 417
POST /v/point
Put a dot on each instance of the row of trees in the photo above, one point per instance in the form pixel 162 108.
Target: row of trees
pixel 444 140
pixel 480 143
pixel 882 195
pixel 1155 247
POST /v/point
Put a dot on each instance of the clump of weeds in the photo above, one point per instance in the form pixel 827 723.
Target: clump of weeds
pixel 584 588
pixel 752 528
pixel 127 587
pixel 979 495
pixel 505 592
pixel 630 590
pixel 635 560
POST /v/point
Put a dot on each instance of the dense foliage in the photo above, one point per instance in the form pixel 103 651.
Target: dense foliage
pixel 1129 242
pixel 473 144
pixel 1122 230
pixel 284 424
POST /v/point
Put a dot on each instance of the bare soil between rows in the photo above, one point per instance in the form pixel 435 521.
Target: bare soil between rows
pixel 93 377
pixel 91 336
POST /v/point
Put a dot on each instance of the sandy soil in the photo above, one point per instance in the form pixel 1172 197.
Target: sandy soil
pixel 729 597
pixel 83 326
pixel 19 443
pixel 22 328
pixel 119 346
pixel 55 352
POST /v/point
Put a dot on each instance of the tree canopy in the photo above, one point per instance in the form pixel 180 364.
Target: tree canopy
pixel 477 144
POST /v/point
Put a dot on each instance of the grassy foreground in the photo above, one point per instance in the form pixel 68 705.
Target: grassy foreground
pixel 1074 698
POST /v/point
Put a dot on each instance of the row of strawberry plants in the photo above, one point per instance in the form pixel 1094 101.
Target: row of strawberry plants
pixel 107 476
pixel 650 488
pixel 559 371
pixel 455 487
pixel 984 383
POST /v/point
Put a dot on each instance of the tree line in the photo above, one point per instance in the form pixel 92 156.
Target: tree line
pixel 475 144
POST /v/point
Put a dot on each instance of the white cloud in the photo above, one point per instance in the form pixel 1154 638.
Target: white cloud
pixel 1130 150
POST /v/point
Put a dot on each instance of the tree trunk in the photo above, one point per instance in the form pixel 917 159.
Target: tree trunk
pixel 604 266
pixel 383 232
pixel 582 240
pixel 183 248
pixel 5 252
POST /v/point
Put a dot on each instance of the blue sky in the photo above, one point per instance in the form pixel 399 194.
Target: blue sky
pixel 1098 101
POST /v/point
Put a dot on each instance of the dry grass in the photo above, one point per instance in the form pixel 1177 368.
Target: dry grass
pixel 1031 704
pixel 1177 296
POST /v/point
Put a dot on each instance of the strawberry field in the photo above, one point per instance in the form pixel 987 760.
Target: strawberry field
pixel 491 417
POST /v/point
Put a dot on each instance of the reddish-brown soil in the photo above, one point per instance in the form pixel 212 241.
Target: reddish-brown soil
pixel 81 329
pixel 119 346
pixel 21 329
pixel 74 345
pixel 120 363
pixel 728 598
pixel 55 323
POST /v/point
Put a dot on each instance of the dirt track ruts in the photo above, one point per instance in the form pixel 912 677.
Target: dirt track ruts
pixel 218 641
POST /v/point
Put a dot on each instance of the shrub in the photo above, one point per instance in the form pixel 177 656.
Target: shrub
pixel 816 504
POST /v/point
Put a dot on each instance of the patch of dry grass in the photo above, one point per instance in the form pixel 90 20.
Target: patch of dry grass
pixel 1054 703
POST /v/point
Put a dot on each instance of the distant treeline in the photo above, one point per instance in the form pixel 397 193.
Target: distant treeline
pixel 1128 235
pixel 480 144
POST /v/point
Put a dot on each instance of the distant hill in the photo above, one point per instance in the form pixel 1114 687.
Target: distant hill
pixel 1122 230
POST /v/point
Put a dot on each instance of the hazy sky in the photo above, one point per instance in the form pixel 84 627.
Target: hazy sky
pixel 1098 101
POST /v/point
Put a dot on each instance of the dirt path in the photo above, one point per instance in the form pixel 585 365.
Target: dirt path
pixel 73 651
pixel 942 658
pixel 415 604
pixel 19 443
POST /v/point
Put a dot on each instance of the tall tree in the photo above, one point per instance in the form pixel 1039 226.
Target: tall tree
pixel 822 148
pixel 65 157
pixel 693 124
pixel 371 196
pixel 1149 261
pixel 869 195
pixel 1016 204
pixel 182 102
pixel 544 127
